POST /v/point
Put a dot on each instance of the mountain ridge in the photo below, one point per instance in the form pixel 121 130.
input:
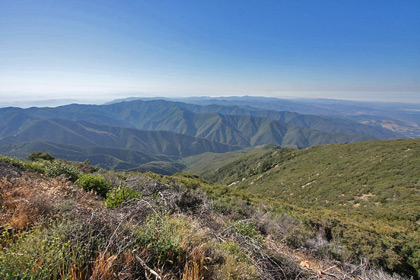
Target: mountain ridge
pixel 86 134
pixel 178 117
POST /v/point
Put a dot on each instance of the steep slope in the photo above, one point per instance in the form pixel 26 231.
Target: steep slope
pixel 11 121
pixel 141 225
pixel 370 188
pixel 377 174
pixel 321 123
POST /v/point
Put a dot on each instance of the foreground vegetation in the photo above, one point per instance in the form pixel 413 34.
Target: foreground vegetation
pixel 64 220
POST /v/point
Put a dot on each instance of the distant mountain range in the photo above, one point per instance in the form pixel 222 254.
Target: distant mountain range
pixel 126 135
pixel 404 117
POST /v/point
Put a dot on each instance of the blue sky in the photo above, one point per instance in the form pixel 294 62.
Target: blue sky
pixel 101 50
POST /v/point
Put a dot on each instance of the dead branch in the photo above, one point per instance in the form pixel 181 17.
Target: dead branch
pixel 145 267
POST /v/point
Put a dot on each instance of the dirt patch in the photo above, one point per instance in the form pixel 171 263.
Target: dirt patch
pixel 366 196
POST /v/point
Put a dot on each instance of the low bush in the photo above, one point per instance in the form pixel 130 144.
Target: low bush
pixel 12 161
pixel 162 239
pixel 34 166
pixel 247 230
pixel 40 156
pixel 92 182
pixel 58 167
pixel 115 197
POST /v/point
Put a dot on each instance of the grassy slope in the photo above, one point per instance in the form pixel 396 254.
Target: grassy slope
pixel 368 194
pixel 382 174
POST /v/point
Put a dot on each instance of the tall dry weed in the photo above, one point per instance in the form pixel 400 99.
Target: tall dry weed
pixel 103 266
pixel 195 268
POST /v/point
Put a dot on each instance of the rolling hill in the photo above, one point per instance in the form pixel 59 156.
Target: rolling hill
pixel 364 174
pixel 371 189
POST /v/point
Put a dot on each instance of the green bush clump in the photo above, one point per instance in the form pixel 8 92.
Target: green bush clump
pixel 162 238
pixel 57 168
pixel 35 156
pixel 247 230
pixel 13 161
pixel 34 166
pixel 189 181
pixel 115 197
pixel 92 182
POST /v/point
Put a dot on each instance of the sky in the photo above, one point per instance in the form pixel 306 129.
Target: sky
pixel 96 51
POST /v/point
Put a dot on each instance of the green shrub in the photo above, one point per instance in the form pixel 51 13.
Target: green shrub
pixel 34 166
pixel 97 183
pixel 57 168
pixel 162 237
pixel 13 161
pixel 247 230
pixel 115 197
pixel 39 155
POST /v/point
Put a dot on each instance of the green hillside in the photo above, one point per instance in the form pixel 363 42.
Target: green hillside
pixel 371 189
pixel 69 220
pixel 85 134
pixel 368 173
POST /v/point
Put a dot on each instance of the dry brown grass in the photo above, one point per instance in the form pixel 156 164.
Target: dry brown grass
pixel 18 198
pixel 26 199
pixel 103 266
pixel 195 268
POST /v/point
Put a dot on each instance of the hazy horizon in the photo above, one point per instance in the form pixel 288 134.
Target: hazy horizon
pixel 68 101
